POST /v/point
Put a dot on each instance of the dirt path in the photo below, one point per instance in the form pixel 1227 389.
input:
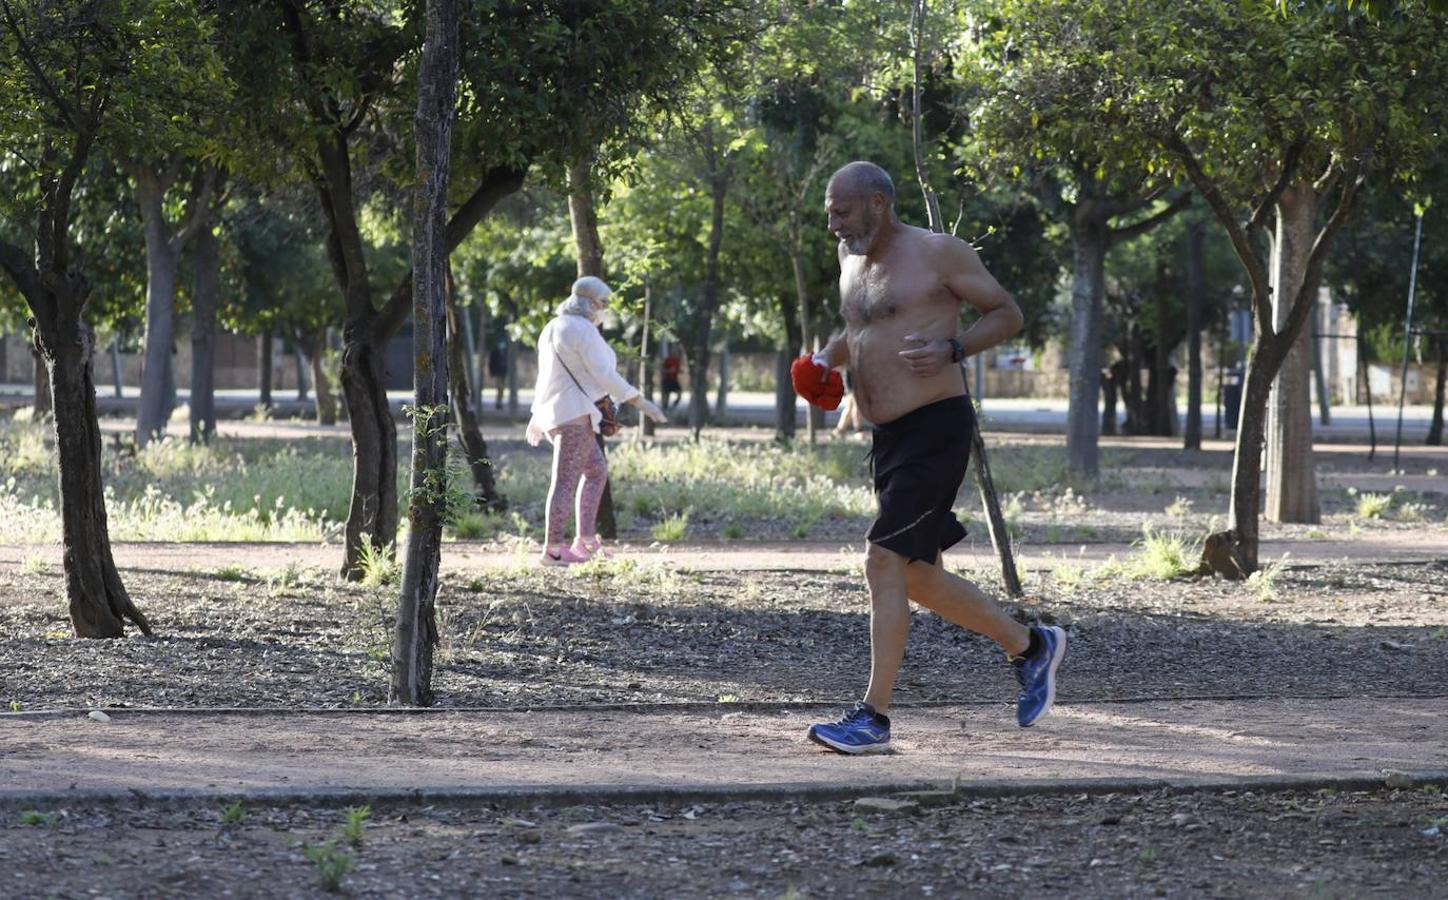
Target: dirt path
pixel 542 752
pixel 722 556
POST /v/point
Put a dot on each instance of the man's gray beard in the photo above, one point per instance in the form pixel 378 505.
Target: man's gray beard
pixel 857 245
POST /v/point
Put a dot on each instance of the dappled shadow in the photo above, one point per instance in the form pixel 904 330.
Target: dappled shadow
pixel 554 638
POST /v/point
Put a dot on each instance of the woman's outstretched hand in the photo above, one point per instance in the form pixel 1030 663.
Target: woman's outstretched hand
pixel 534 434
pixel 650 409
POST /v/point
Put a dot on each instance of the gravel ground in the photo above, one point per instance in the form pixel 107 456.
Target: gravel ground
pixel 1233 844
pixel 629 633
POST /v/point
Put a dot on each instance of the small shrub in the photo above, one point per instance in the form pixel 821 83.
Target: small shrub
pixel 734 531
pixel 1163 555
pixel 230 572
pixel 1179 507
pixel 1263 582
pixel 379 564
pixel 37 819
pixel 673 528
pixel 356 820
pixel 332 862
pixel 35 565
pixel 1373 506
pixel 234 814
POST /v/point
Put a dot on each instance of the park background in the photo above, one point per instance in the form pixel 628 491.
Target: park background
pixel 213 449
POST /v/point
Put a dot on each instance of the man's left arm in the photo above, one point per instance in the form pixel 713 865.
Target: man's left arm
pixel 967 278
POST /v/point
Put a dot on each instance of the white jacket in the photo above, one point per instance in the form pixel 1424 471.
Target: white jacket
pixel 556 399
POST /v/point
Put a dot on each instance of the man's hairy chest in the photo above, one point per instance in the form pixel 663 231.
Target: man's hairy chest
pixel 877 294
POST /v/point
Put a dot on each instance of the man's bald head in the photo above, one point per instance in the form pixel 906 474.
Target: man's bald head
pixel 863 179
pixel 860 200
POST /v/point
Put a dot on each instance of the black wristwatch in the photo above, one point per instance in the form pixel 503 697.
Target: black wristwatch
pixel 957 351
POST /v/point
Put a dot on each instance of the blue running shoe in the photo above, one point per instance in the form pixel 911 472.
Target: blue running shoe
pixel 862 730
pixel 1037 675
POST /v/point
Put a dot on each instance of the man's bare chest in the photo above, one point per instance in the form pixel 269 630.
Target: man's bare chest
pixel 878 294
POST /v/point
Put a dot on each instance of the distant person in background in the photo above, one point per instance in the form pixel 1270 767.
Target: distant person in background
pixel 576 367
pixel 673 366
pixel 498 370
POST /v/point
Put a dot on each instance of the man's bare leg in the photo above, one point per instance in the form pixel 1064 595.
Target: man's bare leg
pixel 958 600
pixel 885 574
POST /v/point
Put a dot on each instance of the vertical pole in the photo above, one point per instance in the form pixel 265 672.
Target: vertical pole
pixel 1407 338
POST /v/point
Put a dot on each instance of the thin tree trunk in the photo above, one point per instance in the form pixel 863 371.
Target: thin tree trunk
pixel 206 259
pixel 1161 378
pixel 1089 243
pixel 584 219
pixel 416 632
pixel 372 513
pixel 322 383
pixel 115 366
pixel 42 404
pixel 264 368
pixel 1195 300
pixel 1290 473
pixel 470 434
pixel 300 359
pixel 806 339
pixel 1435 428
pixel 699 352
pixel 162 264
pixel 1108 401
pixel 646 359
pixel 1319 376
pixel 721 401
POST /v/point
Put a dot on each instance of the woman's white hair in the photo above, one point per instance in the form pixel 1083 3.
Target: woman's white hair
pixel 586 291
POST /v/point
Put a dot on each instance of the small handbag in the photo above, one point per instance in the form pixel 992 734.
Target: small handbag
pixel 608 426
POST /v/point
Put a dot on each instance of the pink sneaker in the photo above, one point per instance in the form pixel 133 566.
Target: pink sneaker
pixel 590 548
pixel 560 555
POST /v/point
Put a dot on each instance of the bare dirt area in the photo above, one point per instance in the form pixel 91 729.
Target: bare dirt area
pixel 624 632
pixel 1323 844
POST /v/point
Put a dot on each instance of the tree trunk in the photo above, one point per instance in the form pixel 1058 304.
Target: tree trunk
pixel 416 633
pixel 163 258
pixel 264 368
pixel 321 381
pixel 470 434
pixel 1108 401
pixel 1161 377
pixel 584 219
pixel 1138 418
pixel 42 404
pixel 373 509
pixel 1435 428
pixel 721 401
pixel 1089 242
pixel 699 352
pixel 784 396
pixel 1319 377
pixel 1195 300
pixel 206 259
pixel 300 359
pixel 646 360
pixel 99 604
pixel 806 340
pixel 1291 477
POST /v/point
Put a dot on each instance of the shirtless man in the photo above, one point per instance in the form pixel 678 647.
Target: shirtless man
pixel 901 289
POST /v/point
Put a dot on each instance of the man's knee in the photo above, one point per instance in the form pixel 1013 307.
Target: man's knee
pixel 882 563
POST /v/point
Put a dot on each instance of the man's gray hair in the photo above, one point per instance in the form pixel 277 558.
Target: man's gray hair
pixel 864 179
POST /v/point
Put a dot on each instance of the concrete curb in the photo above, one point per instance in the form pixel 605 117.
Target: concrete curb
pixel 596 795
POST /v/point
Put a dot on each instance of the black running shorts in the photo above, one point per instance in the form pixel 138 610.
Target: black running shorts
pixel 919 461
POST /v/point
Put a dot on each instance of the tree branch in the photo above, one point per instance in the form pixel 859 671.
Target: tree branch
pixel 198 209
pixel 499 182
pixel 1126 233
pixel 1290 161
pixel 46 86
pixel 1212 193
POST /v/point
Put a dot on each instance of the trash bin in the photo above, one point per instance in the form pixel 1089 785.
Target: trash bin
pixel 1232 400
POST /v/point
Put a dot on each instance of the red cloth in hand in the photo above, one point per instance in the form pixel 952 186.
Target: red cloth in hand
pixel 817 384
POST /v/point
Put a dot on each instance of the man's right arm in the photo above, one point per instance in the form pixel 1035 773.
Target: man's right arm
pixel 835 354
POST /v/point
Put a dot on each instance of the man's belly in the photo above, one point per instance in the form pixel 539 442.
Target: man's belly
pixel 885 386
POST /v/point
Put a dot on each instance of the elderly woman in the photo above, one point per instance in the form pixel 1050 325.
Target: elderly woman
pixel 576 367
